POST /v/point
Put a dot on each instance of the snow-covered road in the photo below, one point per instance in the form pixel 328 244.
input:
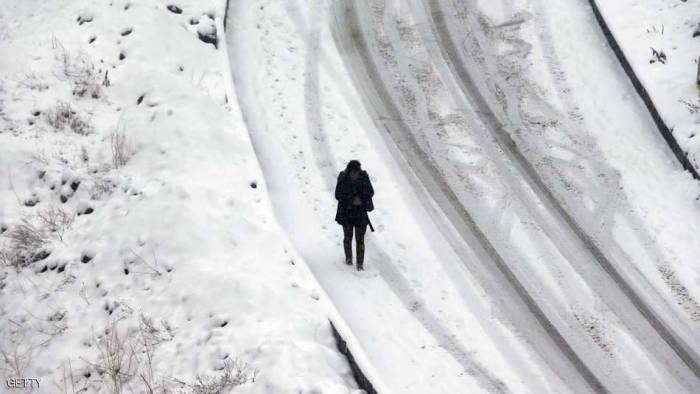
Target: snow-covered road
pixel 432 337
pixel 166 197
pixel 468 241
pixel 575 244
pixel 489 226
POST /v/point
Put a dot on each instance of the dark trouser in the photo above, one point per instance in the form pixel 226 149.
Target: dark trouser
pixel 360 230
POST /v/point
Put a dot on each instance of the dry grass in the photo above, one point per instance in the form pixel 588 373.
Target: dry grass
pixel 234 373
pixel 32 234
pixel 16 357
pixel 26 240
pixel 80 71
pixel 121 148
pixel 63 116
pixel 117 358
pixel 127 360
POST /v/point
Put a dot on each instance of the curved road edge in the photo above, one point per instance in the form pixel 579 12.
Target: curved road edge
pixel 471 89
pixel 663 128
pixel 555 349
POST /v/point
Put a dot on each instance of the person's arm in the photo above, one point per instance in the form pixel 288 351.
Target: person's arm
pixel 370 189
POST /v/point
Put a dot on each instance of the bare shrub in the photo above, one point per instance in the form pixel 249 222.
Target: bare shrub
pixel 117 359
pixel 692 107
pixel 234 373
pixel 101 186
pixel 658 56
pixel 63 116
pixel 125 362
pixel 26 240
pixel 121 148
pixel 60 115
pixel 150 337
pixel 129 359
pixel 16 358
pixel 151 266
pixel 56 220
pixel 5 259
pixel 656 30
pixel 84 155
pixel 34 82
pixel 70 383
pixel 153 334
pixel 86 81
pixel 80 71
pixel 81 126
pixel 29 237
pixel 23 335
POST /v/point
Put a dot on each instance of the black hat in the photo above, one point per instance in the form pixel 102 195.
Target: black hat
pixel 354 165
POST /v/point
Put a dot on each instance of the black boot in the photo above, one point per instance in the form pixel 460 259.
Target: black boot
pixel 347 243
pixel 360 245
pixel 360 255
pixel 348 252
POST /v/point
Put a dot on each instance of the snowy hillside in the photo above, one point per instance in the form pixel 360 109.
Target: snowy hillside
pixel 166 262
pixel 167 203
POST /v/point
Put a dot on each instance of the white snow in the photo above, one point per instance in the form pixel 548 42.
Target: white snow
pixel 406 310
pixel 204 254
pixel 209 233
pixel 671 27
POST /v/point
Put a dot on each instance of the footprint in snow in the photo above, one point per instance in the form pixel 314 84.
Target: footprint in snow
pixel 219 321
pixel 174 9
pixel 366 273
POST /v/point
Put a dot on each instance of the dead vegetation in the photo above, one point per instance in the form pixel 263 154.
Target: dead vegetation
pixel 80 72
pixel 121 148
pixel 658 56
pixel 56 220
pixel 29 238
pixel 63 116
pixel 124 362
pixel 234 373
pixel 26 241
pixel 692 107
pixel 16 356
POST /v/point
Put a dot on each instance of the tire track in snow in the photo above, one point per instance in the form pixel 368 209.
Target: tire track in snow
pixel 378 100
pixel 413 300
pixel 614 198
pixel 575 313
pixel 403 290
pixel 611 205
pixel 611 202
pixel 395 280
pixel 471 90
pixel 312 99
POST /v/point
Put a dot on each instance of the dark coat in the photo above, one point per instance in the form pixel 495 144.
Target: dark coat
pixel 345 191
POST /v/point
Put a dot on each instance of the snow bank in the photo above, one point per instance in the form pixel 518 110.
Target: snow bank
pixel 167 262
pixel 661 39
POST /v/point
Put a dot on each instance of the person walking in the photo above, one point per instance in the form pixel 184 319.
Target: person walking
pixel 354 194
